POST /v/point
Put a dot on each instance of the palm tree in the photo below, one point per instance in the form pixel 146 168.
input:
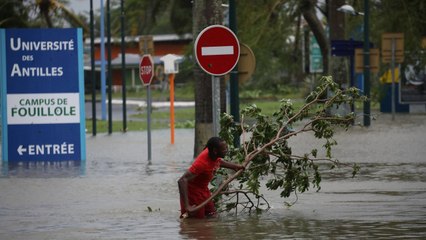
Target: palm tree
pixel 205 13
pixel 13 14
pixel 47 7
pixel 308 9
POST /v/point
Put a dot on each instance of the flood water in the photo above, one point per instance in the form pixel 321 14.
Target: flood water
pixel 119 195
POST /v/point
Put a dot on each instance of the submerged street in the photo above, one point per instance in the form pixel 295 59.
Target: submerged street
pixel 119 195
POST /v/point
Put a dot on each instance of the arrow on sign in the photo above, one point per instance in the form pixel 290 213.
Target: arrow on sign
pixel 21 150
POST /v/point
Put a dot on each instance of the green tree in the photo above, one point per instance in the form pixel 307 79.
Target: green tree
pixel 401 16
pixel 273 29
pixel 13 14
pixel 388 16
pixel 141 16
pixel 267 29
pixel 181 16
pixel 38 13
pixel 54 11
pixel 205 13
pixel 391 16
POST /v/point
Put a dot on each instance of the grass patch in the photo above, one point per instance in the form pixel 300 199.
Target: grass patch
pixel 268 101
pixel 181 114
pixel 269 107
pixel 117 126
pixel 182 93
pixel 160 119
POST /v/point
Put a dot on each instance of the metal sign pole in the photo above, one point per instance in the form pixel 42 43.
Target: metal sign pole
pixel 216 56
pixel 393 78
pixel 123 65
pixel 216 105
pixel 172 107
pixel 103 71
pixel 148 113
pixel 148 101
pixel 171 67
pixel 92 64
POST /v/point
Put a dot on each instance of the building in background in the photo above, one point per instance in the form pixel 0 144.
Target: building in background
pixel 163 45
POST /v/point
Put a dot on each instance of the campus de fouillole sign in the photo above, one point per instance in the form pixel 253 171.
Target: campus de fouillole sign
pixel 42 87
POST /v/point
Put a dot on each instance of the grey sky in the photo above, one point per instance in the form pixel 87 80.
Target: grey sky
pixel 83 6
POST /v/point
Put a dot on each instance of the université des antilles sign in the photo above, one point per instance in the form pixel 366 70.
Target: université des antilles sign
pixel 42 95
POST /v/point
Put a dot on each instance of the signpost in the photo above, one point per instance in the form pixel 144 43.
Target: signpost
pixel 171 67
pixel 392 47
pixel 146 73
pixel 348 48
pixel 315 56
pixel 246 63
pixel 42 89
pixel 374 60
pixel 146 45
pixel 393 52
pixel 146 69
pixel 217 51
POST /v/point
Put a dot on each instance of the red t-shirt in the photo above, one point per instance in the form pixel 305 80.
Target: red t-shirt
pixel 204 167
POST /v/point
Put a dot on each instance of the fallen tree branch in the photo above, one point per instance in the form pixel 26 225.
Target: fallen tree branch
pixel 320 123
pixel 246 193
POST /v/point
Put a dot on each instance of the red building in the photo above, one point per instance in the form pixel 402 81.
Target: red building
pixel 163 44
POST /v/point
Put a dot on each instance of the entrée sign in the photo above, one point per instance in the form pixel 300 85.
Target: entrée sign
pixel 42 94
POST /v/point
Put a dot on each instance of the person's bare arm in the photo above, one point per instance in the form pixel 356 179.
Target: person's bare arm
pixel 183 189
pixel 233 166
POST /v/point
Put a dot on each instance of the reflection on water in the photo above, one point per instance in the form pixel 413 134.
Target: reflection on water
pixel 44 169
pixel 281 227
pixel 111 200
pixel 412 172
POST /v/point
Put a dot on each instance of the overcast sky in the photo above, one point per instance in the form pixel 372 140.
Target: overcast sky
pixel 83 6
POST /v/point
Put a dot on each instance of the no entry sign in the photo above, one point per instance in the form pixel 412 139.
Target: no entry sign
pixel 146 68
pixel 217 50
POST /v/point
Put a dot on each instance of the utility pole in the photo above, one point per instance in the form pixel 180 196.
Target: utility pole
pixel 234 91
pixel 366 64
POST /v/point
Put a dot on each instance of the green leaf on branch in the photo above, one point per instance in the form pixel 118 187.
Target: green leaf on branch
pixel 266 153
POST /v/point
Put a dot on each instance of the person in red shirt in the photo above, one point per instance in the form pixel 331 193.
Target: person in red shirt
pixel 193 185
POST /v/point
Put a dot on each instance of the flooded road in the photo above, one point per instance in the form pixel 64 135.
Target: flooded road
pixel 118 195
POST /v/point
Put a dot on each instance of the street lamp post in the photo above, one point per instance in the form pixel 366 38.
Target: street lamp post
pixel 366 65
pixel 350 10
pixel 234 93
pixel 92 64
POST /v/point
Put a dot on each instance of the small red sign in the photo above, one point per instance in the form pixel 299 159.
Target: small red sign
pixel 146 69
pixel 217 50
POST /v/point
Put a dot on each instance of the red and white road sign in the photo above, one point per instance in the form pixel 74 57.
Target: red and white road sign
pixel 146 69
pixel 217 50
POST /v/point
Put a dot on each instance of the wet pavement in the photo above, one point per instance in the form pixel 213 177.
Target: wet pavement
pixel 118 194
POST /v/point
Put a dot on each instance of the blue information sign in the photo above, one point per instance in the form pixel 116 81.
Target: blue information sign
pixel 315 56
pixel 346 48
pixel 42 95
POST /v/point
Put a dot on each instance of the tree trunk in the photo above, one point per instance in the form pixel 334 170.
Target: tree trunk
pixel 296 55
pixel 307 7
pixel 205 13
pixel 44 7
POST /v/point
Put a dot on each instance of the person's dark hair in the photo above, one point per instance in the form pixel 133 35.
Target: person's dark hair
pixel 213 142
